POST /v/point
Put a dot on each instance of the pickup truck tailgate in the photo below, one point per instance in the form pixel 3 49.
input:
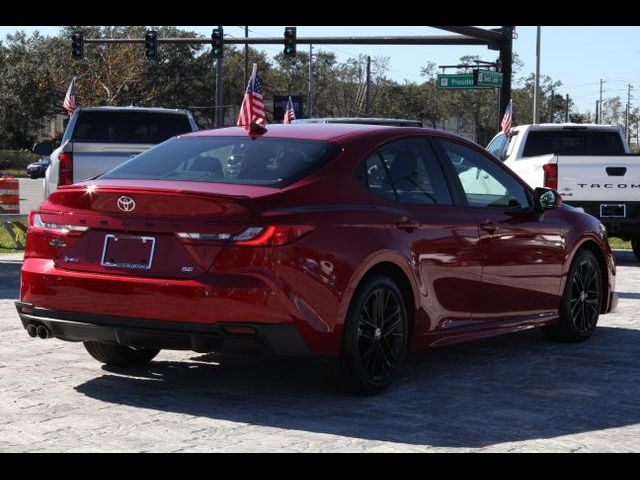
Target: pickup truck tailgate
pixel 91 159
pixel 599 178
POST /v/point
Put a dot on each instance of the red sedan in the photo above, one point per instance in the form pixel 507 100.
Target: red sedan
pixel 355 242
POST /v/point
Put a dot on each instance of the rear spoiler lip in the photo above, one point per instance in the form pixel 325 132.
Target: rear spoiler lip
pixel 127 188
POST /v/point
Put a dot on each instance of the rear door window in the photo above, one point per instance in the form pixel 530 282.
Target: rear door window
pixel 408 171
pixel 129 127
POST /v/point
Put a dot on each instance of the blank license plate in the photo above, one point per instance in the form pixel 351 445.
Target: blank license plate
pixel 128 251
pixel 613 210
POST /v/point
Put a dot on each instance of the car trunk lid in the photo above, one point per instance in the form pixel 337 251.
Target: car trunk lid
pixel 132 227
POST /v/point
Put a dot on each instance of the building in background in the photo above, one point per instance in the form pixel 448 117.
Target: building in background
pixel 51 128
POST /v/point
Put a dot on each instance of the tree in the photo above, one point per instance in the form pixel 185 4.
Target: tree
pixel 27 90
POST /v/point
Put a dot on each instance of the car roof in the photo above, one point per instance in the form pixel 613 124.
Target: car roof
pixel 568 126
pixel 132 109
pixel 324 131
pixel 361 120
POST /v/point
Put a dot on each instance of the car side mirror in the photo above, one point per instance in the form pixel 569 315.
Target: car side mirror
pixel 546 199
pixel 43 149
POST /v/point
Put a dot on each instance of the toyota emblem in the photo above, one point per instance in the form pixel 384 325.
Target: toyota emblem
pixel 126 204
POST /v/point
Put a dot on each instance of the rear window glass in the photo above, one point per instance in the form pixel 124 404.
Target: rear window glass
pixel 272 162
pixel 129 127
pixel 567 142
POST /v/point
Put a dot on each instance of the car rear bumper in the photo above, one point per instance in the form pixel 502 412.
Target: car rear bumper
pixel 81 304
pixel 282 340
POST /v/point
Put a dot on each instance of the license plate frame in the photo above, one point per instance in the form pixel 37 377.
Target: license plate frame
pixel 604 206
pixel 128 265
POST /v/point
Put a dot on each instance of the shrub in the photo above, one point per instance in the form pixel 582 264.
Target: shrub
pixel 16 159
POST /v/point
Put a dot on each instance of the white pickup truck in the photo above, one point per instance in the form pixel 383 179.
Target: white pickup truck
pixel 589 165
pixel 98 139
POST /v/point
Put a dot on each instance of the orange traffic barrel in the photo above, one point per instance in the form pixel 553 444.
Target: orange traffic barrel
pixel 9 196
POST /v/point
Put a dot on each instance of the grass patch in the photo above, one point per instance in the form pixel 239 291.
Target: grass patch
pixel 7 244
pixel 22 173
pixel 619 244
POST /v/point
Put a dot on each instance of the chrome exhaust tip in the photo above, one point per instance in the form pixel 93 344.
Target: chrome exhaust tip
pixel 43 332
pixel 32 330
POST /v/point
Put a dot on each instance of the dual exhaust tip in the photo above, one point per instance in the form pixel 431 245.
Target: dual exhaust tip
pixel 40 331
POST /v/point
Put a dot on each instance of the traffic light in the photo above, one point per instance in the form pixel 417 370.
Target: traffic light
pixel 77 45
pixel 290 41
pixel 151 44
pixel 217 43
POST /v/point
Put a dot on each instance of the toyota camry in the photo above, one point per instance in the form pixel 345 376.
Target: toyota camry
pixel 353 243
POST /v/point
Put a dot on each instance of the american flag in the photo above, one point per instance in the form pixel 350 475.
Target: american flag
pixel 69 103
pixel 252 109
pixel 506 120
pixel 289 113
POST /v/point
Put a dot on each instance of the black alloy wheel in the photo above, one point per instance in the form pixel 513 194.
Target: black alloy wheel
pixel 585 296
pixel 381 333
pixel 375 338
pixel 581 301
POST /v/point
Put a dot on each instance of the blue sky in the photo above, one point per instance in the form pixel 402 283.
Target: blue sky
pixel 577 56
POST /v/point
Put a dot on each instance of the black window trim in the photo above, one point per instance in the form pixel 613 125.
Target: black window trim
pixel 581 131
pixel 441 151
pixel 80 112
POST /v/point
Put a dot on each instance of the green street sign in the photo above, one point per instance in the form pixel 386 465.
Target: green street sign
pixel 456 81
pixel 487 78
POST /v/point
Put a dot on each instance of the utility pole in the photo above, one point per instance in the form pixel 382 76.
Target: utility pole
pixel 506 60
pixel 367 87
pixel 551 106
pixel 536 87
pixel 310 93
pixel 566 109
pixel 626 118
pixel 599 117
pixel 597 109
pixel 219 111
pixel 246 57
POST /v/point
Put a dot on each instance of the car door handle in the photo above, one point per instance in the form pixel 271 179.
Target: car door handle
pixel 489 227
pixel 407 224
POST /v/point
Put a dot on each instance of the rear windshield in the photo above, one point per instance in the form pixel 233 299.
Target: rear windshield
pixel 129 127
pixel 272 162
pixel 567 142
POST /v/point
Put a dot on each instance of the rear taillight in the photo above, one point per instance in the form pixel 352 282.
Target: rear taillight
pixel 37 223
pixel 550 175
pixel 65 168
pixel 267 236
pixel 47 239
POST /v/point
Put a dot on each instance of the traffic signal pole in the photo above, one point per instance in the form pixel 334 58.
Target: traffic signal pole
pixel 506 59
pixel 496 39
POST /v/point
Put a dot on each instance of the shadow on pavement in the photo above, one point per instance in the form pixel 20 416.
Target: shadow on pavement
pixel 506 389
pixel 10 279
pixel 626 258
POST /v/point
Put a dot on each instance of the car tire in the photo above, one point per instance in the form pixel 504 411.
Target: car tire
pixel 375 338
pixel 581 301
pixel 33 176
pixel 120 355
pixel 635 246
